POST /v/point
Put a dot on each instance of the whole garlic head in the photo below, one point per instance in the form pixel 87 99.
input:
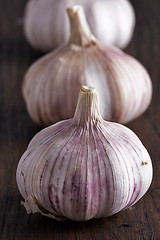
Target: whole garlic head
pixel 46 24
pixel 84 167
pixel 123 84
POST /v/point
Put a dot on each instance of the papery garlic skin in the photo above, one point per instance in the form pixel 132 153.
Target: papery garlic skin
pixel 84 167
pixel 46 24
pixel 123 84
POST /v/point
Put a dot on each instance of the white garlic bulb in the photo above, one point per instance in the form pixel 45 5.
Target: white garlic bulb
pixel 84 167
pixel 46 24
pixel 123 84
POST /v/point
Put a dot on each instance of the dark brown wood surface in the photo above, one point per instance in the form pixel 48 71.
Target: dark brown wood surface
pixel 142 221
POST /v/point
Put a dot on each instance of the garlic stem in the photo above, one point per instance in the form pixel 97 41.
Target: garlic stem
pixel 87 110
pixel 80 31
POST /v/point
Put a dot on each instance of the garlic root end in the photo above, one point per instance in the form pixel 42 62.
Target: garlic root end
pixel 32 206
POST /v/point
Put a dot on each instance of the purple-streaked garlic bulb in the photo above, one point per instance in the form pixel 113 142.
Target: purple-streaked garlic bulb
pixel 84 167
pixel 46 24
pixel 123 84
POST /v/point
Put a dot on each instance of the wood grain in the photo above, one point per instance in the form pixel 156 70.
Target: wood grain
pixel 16 130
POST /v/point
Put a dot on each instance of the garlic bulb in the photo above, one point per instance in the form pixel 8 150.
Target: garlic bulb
pixel 46 24
pixel 123 84
pixel 84 167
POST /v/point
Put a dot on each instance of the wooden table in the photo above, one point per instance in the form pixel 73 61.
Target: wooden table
pixel 16 130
